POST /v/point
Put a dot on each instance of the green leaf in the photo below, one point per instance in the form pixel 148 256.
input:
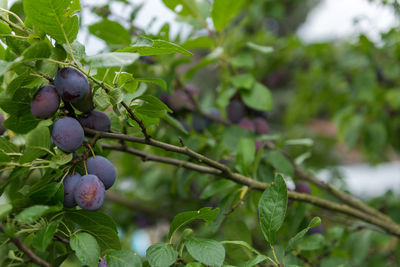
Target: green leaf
pixel 161 255
pixel 115 96
pixel 216 187
pixel 174 122
pixel 5 209
pixel 148 47
pixel 202 42
pixel 258 259
pixel 44 194
pixel 114 59
pixel 42 239
pixel 86 248
pixel 241 243
pixel 244 60
pixel 245 155
pixel 4 66
pixel 111 32
pixel 31 214
pixel 78 50
pixel 37 50
pixel 122 258
pixel 207 214
pixel 243 81
pixel 51 17
pixel 272 208
pixel 188 8
pixel 260 48
pixel 21 123
pixel 126 81
pixel 223 11
pixel 311 242
pixel 159 82
pixel 258 97
pixel 100 225
pixel 280 162
pixel 151 106
pixel 74 7
pixel 206 251
pixel 299 236
pixel 7 147
pixel 4 28
pixel 37 144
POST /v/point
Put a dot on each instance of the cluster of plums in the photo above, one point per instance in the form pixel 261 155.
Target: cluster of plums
pixel 88 191
pixel 237 113
pixel 74 89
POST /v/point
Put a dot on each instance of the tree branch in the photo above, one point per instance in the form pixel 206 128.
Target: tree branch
pixel 32 256
pixel 388 227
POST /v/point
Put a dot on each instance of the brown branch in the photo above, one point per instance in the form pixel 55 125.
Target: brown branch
pixel 344 197
pixel 32 256
pixel 388 227
pixel 61 239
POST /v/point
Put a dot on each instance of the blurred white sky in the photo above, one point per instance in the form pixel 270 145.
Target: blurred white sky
pixel 331 19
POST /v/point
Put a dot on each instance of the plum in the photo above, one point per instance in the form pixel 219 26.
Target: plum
pixel 261 126
pixel 45 103
pixel 2 128
pixel 303 187
pixel 89 192
pixel 235 111
pixel 71 84
pixel 70 182
pixel 247 124
pixel 96 120
pixel 319 229
pixel 103 263
pixel 180 100
pixel 86 104
pixel 199 123
pixel 102 168
pixel 67 134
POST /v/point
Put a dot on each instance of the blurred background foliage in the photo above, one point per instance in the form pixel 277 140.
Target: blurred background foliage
pixel 339 100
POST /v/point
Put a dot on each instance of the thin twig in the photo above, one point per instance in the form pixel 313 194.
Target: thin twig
pixel 32 256
pixel 391 228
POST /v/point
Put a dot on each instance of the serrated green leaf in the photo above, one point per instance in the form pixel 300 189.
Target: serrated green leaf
pixel 86 248
pixel 148 47
pixel 161 255
pixel 43 237
pixel 272 208
pixel 207 214
pixel 122 258
pixel 111 32
pixel 113 59
pixel 206 251
pixel 51 17
pixel 37 50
